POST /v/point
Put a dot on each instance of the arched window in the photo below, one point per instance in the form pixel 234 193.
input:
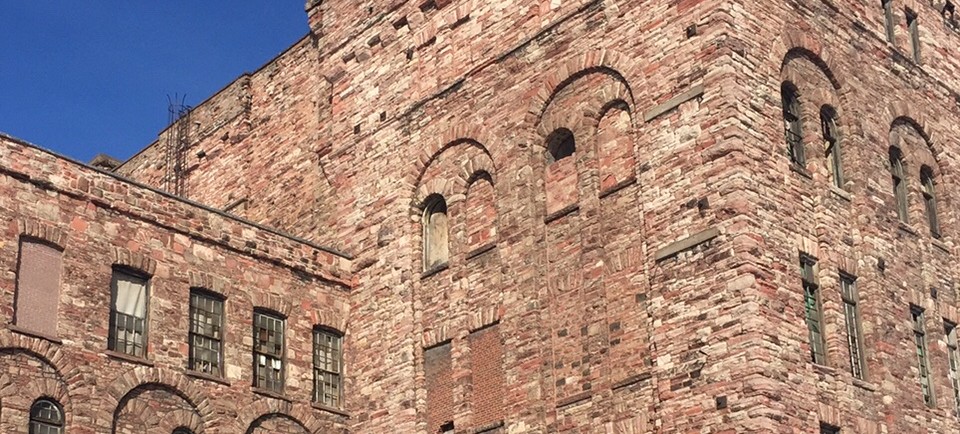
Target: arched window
pixel 435 232
pixel 930 200
pixel 792 129
pixel 831 141
pixel 560 145
pixel 899 184
pixel 46 417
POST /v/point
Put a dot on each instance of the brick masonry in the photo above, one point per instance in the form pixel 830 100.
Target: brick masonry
pixel 647 283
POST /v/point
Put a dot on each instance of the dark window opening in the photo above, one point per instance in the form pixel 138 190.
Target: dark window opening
pixel 930 200
pixel 792 128
pixel 560 145
pixel 917 318
pixel 831 139
pixel 914 28
pixel 888 19
pixel 813 310
pixel 46 417
pixel 899 183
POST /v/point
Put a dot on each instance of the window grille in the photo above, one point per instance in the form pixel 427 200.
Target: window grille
pixel 327 368
pixel 851 313
pixel 792 128
pixel 813 309
pixel 46 417
pixel 930 200
pixel 128 315
pixel 953 354
pixel 206 333
pixel 831 139
pixel 899 184
pixel 923 365
pixel 268 351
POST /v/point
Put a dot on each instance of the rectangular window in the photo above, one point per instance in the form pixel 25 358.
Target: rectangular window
pixel 851 313
pixel 954 358
pixel 923 365
pixel 813 309
pixel 206 333
pixel 913 26
pixel 327 367
pixel 38 287
pixel 128 314
pixel 268 351
pixel 888 19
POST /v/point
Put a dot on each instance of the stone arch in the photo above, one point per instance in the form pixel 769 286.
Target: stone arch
pixel 262 409
pixel 66 371
pixel 181 419
pixel 329 318
pixel 272 302
pixel 132 380
pixel 134 260
pixel 793 41
pixel 459 134
pixel 620 66
pixel 144 412
pixel 614 143
pixel 42 231
pixel 927 155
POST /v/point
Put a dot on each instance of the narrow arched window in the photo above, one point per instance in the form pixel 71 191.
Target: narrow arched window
pixel 899 183
pixel 560 145
pixel 831 141
pixel 46 417
pixel 435 232
pixel 792 129
pixel 930 200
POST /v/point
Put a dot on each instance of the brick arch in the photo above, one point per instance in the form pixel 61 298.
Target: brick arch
pixel 621 67
pixel 53 389
pixel 265 408
pixel 453 190
pixel 42 231
pixel 144 412
pixel 181 419
pixel 283 306
pixel 579 123
pixel 67 371
pixel 132 380
pixel 918 157
pixel 330 318
pixel 134 260
pixel 207 281
pixel 459 134
pixel 794 41
pixel 608 97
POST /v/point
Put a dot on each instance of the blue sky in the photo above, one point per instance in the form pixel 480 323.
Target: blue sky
pixel 93 76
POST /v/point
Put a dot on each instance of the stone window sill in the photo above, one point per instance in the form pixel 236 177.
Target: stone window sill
pixel 800 170
pixel 481 250
pixel 824 369
pixel 436 269
pixel 207 377
pixel 904 227
pixel 33 334
pixel 570 209
pixel 619 186
pixel 841 193
pixel 940 245
pixel 487 428
pixel 328 409
pixel 864 384
pixel 270 394
pixel 571 400
pixel 124 357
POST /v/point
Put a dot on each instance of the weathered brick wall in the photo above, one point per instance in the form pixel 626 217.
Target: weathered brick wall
pixel 100 221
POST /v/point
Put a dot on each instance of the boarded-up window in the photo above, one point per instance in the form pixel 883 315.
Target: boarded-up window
pixel 486 355
pixel 481 213
pixel 38 287
pixel 128 316
pixel 438 371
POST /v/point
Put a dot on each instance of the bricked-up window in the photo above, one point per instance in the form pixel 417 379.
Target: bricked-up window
pixel 813 309
pixel 888 21
pixel 38 287
pixel 486 355
pixel 899 183
pixel 953 354
pixel 930 200
pixel 851 314
pixel 831 140
pixel 436 233
pixel 128 313
pixel 206 332
pixel 913 27
pixel 923 364
pixel 327 367
pixel 792 128
pixel 46 417
pixel 268 351
pixel 828 429
pixel 560 145
pixel 438 371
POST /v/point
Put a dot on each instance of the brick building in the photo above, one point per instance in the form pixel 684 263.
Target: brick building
pixel 589 216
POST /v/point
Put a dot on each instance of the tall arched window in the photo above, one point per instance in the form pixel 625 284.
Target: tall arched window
pixel 792 129
pixel 46 417
pixel 560 145
pixel 435 232
pixel 930 200
pixel 831 141
pixel 899 184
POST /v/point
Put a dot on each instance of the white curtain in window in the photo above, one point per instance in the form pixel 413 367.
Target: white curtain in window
pixel 131 295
